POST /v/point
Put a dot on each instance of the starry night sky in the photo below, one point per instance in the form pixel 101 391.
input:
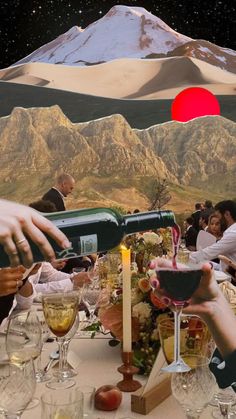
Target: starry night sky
pixel 28 24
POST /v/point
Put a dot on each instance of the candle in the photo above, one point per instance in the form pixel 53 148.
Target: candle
pixel 127 330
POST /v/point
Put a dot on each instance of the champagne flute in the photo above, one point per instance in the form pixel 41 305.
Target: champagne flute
pixel 17 387
pixel 178 283
pixel 60 312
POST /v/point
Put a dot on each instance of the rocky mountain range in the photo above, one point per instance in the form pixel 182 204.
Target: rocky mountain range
pixel 206 51
pixel 109 159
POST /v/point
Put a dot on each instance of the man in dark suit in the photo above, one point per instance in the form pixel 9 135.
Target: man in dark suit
pixel 196 216
pixel 64 186
pixel 190 234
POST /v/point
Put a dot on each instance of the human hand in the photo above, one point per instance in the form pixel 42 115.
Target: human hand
pixel 16 221
pixel 11 279
pixel 80 279
pixel 204 297
pixel 58 264
pixel 227 261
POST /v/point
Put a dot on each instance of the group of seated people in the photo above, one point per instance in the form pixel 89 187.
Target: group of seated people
pixel 207 302
pixel 203 219
pixel 209 220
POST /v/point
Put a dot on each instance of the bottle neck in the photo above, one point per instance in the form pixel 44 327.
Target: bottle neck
pixel 148 221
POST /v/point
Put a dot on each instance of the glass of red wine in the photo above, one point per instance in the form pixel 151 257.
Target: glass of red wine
pixel 178 282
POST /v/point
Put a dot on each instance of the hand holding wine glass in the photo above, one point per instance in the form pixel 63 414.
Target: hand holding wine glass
pixel 176 283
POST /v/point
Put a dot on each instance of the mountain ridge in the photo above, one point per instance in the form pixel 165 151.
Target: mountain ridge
pixel 107 152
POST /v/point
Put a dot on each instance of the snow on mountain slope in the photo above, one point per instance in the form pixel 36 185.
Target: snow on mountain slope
pixel 124 31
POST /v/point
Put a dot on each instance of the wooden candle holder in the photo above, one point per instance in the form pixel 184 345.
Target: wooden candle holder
pixel 128 370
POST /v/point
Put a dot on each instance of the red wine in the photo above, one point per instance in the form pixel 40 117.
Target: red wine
pixel 176 233
pixel 179 284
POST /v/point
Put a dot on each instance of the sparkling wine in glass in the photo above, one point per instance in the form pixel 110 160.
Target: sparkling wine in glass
pixel 178 283
pixel 60 312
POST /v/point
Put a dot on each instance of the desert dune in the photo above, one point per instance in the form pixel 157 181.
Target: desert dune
pixel 126 78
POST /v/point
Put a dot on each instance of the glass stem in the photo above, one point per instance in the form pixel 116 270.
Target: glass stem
pixel 65 352
pixel 38 363
pixel 61 355
pixel 225 409
pixel 92 317
pixel 177 314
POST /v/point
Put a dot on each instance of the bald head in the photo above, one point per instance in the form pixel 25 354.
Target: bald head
pixel 65 183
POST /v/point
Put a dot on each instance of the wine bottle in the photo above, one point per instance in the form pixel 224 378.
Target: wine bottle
pixel 95 230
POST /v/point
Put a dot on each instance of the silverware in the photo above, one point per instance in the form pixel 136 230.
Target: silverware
pixel 54 356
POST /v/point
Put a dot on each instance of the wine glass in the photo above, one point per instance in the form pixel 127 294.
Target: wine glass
pixel 195 338
pixel 226 399
pixel 90 297
pixel 60 310
pixel 24 337
pixel 66 371
pixel 17 387
pixel 40 373
pixel 178 283
pixel 24 340
pixel 194 388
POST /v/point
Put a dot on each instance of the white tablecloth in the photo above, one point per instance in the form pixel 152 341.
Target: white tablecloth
pixel 98 366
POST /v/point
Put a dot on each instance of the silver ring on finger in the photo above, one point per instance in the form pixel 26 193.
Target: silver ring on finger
pixel 20 241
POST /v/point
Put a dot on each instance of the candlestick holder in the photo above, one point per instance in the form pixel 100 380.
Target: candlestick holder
pixel 128 370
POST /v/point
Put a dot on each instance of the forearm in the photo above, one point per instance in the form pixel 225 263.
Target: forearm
pixel 25 296
pixel 26 290
pixel 222 324
pixel 54 286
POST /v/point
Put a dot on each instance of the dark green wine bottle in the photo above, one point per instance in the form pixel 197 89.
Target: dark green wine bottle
pixel 96 230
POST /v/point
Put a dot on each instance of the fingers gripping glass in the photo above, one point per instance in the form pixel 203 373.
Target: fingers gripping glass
pixel 178 285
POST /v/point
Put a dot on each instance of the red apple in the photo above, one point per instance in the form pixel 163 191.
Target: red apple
pixel 107 397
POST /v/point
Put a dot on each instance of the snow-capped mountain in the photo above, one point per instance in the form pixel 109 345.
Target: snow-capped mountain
pixel 124 32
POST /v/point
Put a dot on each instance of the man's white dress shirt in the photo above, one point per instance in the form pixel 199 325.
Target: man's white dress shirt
pixel 225 246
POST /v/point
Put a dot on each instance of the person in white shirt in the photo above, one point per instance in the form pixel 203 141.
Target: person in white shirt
pixel 226 211
pixel 48 280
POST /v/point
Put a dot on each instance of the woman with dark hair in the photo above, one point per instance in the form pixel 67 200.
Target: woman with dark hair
pixel 215 227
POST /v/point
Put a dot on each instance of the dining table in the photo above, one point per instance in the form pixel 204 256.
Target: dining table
pixel 97 364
